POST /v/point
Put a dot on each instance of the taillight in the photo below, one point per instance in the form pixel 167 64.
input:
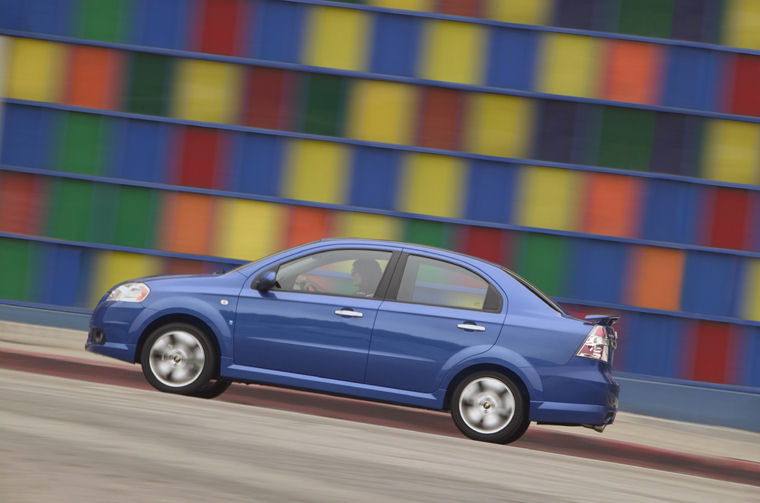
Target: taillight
pixel 596 346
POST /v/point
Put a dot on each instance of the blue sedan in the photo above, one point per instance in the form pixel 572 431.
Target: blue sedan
pixel 378 320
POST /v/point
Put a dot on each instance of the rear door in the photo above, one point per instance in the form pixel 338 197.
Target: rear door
pixel 438 312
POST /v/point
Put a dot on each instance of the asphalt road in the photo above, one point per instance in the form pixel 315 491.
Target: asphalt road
pixel 70 440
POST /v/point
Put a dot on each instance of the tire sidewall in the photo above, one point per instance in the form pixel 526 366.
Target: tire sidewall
pixel 209 365
pixel 512 431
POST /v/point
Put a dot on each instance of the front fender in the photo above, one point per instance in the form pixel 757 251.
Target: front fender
pixel 220 321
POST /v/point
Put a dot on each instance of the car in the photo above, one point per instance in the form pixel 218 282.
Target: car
pixel 377 320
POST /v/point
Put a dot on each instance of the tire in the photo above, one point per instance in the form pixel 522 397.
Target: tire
pixel 179 358
pixel 489 407
pixel 213 389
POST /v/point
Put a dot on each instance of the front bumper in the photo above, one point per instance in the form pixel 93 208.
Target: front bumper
pixel 114 329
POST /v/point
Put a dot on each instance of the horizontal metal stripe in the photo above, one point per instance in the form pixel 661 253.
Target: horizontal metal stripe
pixel 373 211
pixel 376 76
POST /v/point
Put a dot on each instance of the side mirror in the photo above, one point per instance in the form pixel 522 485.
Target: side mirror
pixel 266 281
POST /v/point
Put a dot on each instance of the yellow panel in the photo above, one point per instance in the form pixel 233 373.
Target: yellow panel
pixel 751 308
pixel 569 65
pixel 418 5
pixel 741 24
pixel 248 230
pixel 369 226
pixel 432 185
pixel 207 91
pixel 549 198
pixel 112 267
pixel 35 70
pixel 337 38
pixel 316 171
pixel 520 11
pixel 498 125
pixel 5 43
pixel 453 52
pixel 732 151
pixel 382 111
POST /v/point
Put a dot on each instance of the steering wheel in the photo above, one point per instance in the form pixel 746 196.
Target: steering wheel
pixel 308 285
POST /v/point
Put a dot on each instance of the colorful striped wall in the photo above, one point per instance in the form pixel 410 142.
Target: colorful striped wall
pixel 609 151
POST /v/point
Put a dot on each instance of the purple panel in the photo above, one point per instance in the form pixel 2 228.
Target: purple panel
pixel 676 144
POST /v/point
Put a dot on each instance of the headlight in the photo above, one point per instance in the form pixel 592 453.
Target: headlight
pixel 129 292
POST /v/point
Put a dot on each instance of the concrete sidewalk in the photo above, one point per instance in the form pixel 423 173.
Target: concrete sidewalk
pixel 688 438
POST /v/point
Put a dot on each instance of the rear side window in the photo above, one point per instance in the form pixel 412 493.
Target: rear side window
pixel 430 281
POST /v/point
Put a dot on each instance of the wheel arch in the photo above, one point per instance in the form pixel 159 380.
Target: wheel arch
pixel 180 318
pixel 462 374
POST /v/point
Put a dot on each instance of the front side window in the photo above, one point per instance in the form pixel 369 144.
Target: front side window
pixel 430 281
pixel 335 272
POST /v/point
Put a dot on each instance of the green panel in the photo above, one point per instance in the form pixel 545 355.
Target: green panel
pixel 17 261
pixel 69 215
pixel 148 86
pixel 541 262
pixel 650 18
pixel 136 217
pixel 323 104
pixel 82 143
pixel 101 20
pixel 626 138
pixel 429 233
pixel 103 220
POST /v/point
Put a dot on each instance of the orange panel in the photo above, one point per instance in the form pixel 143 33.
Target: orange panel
pixel 94 78
pixel 633 71
pixel 21 203
pixel 187 223
pixel 612 205
pixel 308 224
pixel 654 278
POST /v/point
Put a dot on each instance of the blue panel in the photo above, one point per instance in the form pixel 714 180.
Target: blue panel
pixel 278 32
pixel 748 363
pixel 375 177
pixel 491 193
pixel 597 270
pixel 141 150
pixel 51 16
pixel 670 211
pixel 12 14
pixel 395 44
pixel 62 275
pixel 27 136
pixel 512 57
pixel 691 78
pixel 257 164
pixel 160 24
pixel 710 283
pixel 653 345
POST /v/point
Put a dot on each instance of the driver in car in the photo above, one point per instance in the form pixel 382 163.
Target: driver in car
pixel 365 275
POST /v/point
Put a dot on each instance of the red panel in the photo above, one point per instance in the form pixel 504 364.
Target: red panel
pixel 185 266
pixel 730 214
pixel 219 28
pixel 469 8
pixel 745 98
pixel 712 343
pixel 270 102
pixel 308 224
pixel 201 153
pixel 440 118
pixel 21 203
pixel 95 75
pixel 486 243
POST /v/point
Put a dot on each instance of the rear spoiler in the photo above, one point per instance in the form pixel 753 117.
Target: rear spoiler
pixel 602 319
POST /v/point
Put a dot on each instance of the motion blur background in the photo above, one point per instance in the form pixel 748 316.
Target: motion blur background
pixel 607 150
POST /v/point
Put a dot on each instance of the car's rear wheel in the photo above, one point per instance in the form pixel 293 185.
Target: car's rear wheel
pixel 488 406
pixel 179 358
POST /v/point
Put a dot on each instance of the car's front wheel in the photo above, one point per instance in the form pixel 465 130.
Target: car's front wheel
pixel 179 358
pixel 488 406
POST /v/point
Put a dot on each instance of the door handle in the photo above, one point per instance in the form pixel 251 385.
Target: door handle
pixel 471 326
pixel 349 313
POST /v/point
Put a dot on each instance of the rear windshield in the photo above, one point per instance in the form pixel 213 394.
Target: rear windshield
pixel 538 293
